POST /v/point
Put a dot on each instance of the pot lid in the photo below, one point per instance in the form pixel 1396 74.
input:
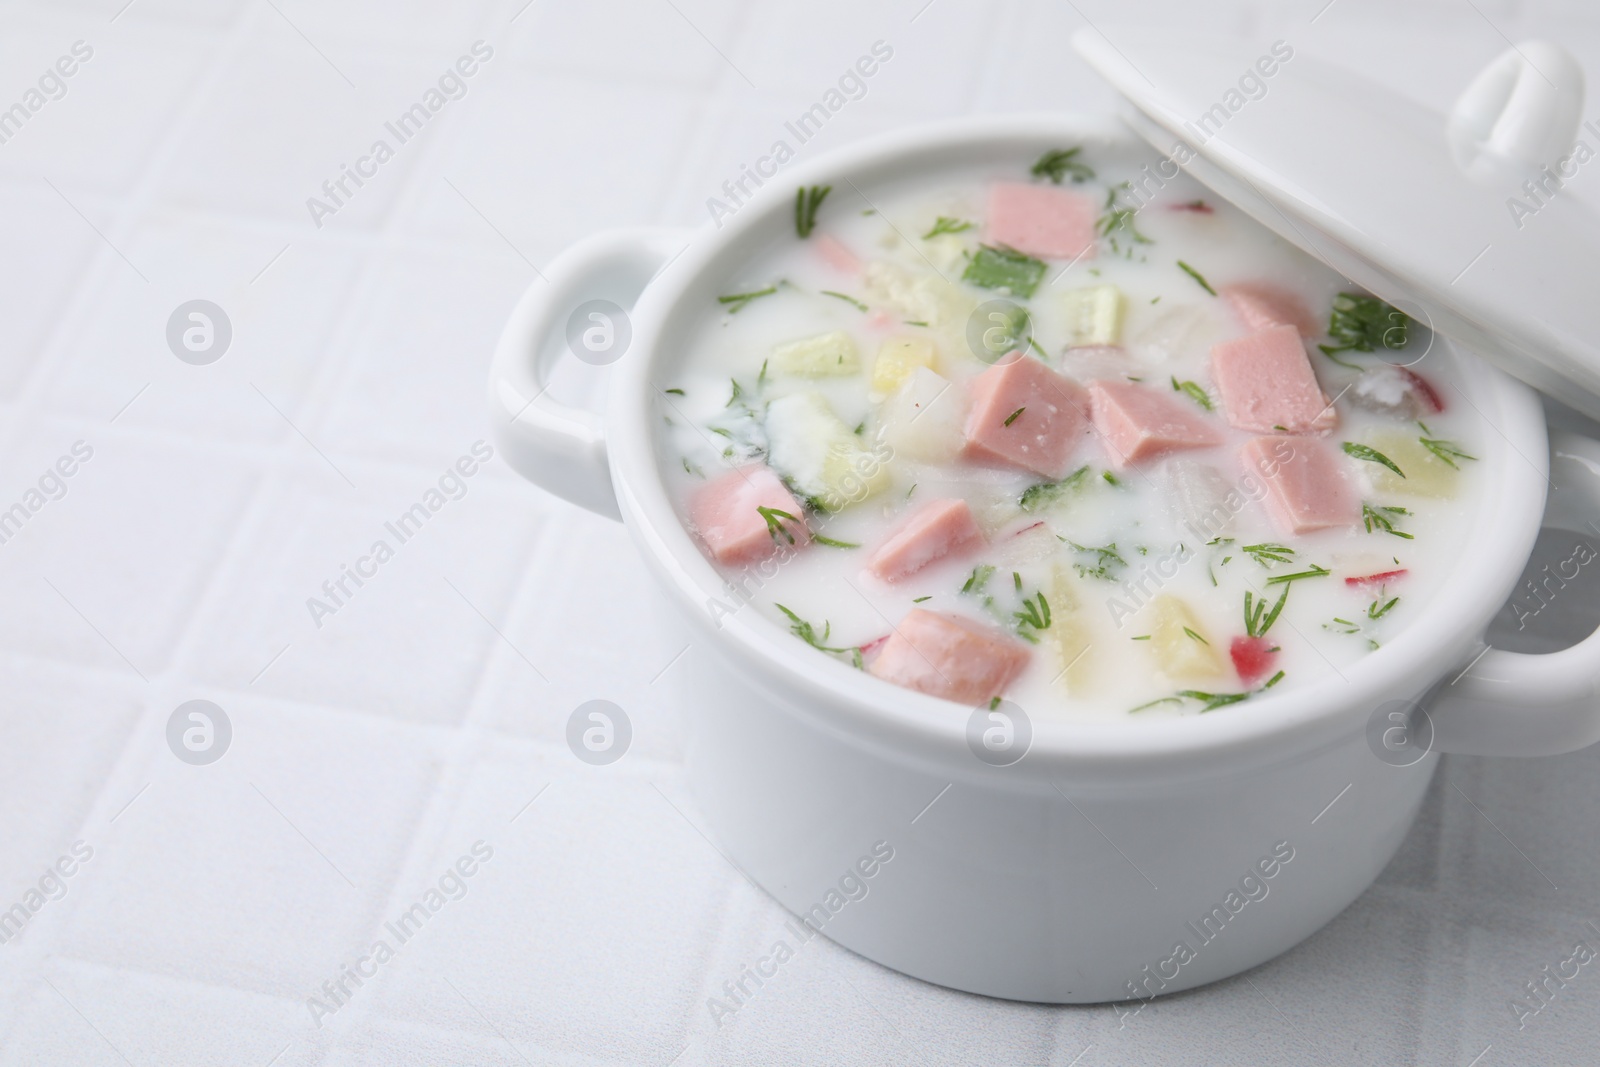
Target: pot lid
pixel 1460 221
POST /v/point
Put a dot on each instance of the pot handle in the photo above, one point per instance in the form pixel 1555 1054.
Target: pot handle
pixel 556 446
pixel 1517 704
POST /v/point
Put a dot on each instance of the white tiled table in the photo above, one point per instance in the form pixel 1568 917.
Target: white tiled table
pixel 371 752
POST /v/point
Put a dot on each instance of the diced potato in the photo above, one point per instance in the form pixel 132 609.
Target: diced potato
pixel 820 456
pixel 1181 647
pixel 825 355
pixel 1426 474
pixel 1094 315
pixel 1071 633
pixel 897 358
pixel 923 419
pixel 918 296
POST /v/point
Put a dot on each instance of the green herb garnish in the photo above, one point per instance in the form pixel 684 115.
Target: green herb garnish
pixel 1378 608
pixel 831 543
pixel 1258 619
pixel 1059 163
pixel 1111 479
pixel 978 579
pixel 1034 616
pixel 920 599
pixel 946 224
pixel 1193 389
pixel 675 392
pixel 1038 497
pixel 1105 558
pixel 1372 455
pixel 1316 571
pixel 1117 222
pixel 1446 451
pixel 808 633
pixel 806 202
pixel 1378 519
pixel 1268 553
pixel 847 299
pixel 736 301
pixel 998 267
pixel 1195 636
pixel 775 526
pixel 1014 415
pixel 1365 324
pixel 1196 275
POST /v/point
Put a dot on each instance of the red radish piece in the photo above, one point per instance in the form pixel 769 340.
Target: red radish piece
pixel 1199 207
pixel 1395 391
pixel 1376 579
pixel 869 647
pixel 1252 657
pixel 836 254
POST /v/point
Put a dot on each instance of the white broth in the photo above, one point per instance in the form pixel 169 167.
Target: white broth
pixel 832 438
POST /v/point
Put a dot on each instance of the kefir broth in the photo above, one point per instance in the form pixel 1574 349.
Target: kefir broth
pixel 1111 547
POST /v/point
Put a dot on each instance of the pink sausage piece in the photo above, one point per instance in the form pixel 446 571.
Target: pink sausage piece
pixel 936 530
pixel 1267 384
pixel 1306 484
pixel 1025 415
pixel 950 656
pixel 1041 220
pixel 1139 422
pixel 1262 304
pixel 725 514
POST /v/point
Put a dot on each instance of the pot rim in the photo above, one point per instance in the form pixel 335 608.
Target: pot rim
pixel 1507 520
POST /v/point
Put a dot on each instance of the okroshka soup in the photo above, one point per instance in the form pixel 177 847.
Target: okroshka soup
pixel 1066 431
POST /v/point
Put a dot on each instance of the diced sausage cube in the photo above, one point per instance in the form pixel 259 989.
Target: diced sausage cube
pixel 1267 384
pixel 1041 221
pixel 950 656
pixel 1305 481
pixel 1262 304
pixel 1027 416
pixel 936 530
pixel 1139 422
pixel 725 513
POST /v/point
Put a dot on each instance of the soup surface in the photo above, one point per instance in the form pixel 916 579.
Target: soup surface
pixel 1063 430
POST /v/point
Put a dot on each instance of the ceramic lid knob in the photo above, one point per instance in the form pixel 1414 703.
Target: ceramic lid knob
pixel 1519 114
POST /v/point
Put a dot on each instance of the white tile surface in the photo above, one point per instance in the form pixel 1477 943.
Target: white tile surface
pixel 369 754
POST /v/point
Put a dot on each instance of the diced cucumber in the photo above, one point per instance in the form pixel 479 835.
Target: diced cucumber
pixel 821 457
pixel 1094 315
pixel 823 356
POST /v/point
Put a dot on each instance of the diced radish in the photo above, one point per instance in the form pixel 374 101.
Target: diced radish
pixel 869 648
pixel 1267 384
pixel 950 656
pixel 1025 415
pixel 937 529
pixel 834 253
pixel 1262 304
pixel 1199 207
pixel 1206 501
pixel 1252 657
pixel 1396 391
pixel 1376 579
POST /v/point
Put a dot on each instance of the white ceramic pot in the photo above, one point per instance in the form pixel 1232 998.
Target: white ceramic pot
pixel 1076 873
